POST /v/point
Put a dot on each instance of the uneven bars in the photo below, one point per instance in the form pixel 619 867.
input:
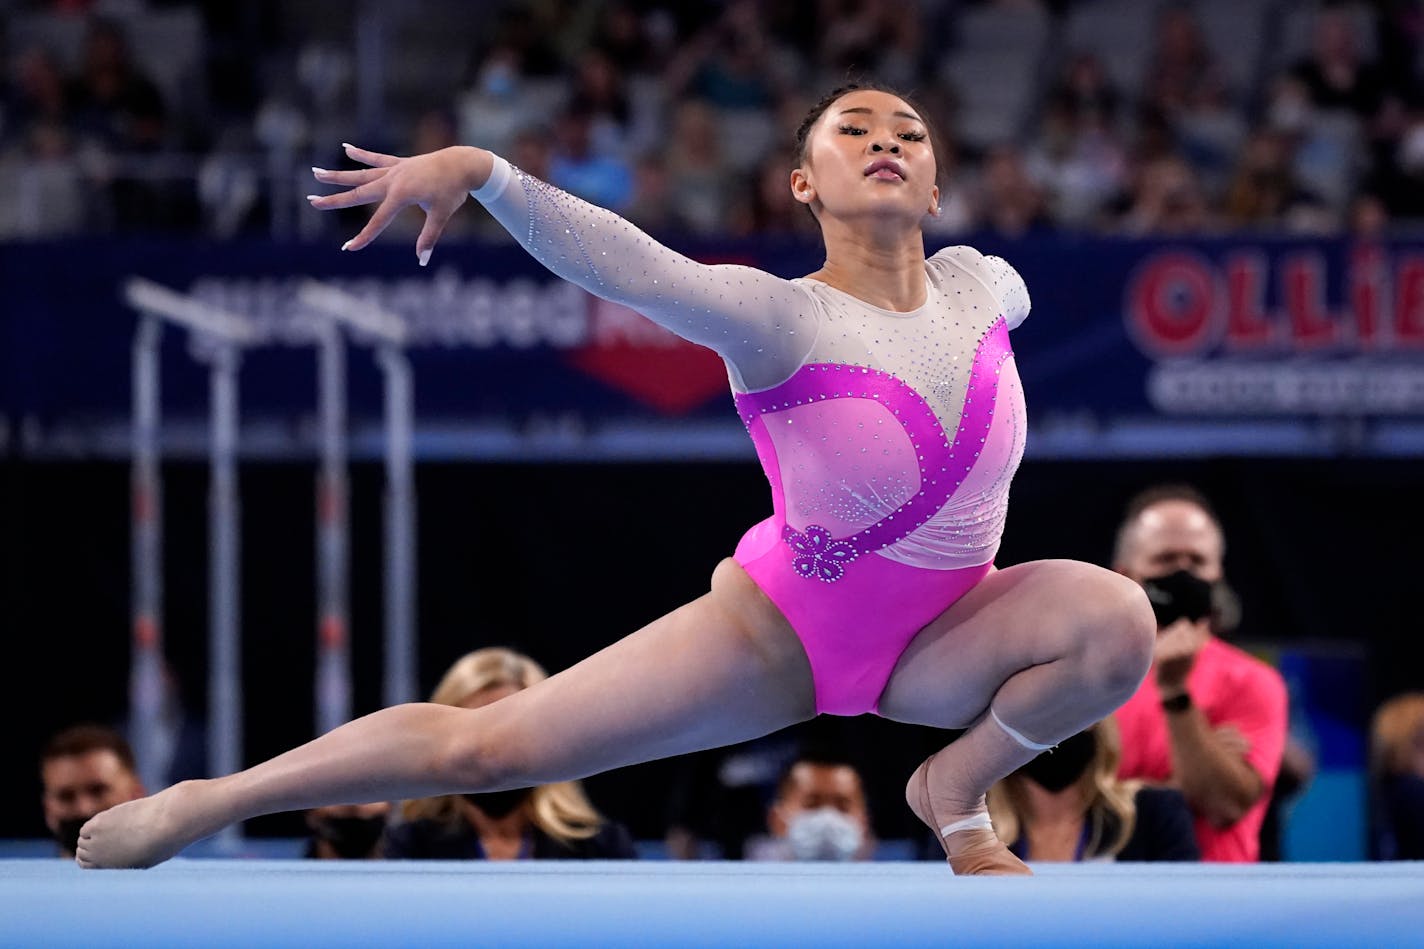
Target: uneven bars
pixel 399 683
pixel 144 294
pixel 225 727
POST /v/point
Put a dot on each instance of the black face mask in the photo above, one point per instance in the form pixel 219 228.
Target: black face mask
pixel 499 804
pixel 67 833
pixel 1179 595
pixel 1059 767
pixel 353 838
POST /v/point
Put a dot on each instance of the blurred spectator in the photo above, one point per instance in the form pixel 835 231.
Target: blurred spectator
pixel 1183 73
pixel 1077 155
pixel 703 183
pixel 1085 93
pixel 871 36
pixel 346 831
pixel 36 93
pixel 1401 45
pixel 1209 719
pixel 494 109
pixel 819 813
pixel 530 30
pixel 1210 136
pixel 768 208
pixel 734 68
pixel 1011 203
pixel 1397 779
pixel 1368 218
pixel 1264 192
pixel 603 179
pixel 115 103
pixel 1187 87
pixel 652 207
pixel 533 150
pixel 1400 182
pixel 597 91
pixel 41 155
pixel 958 207
pixel 434 129
pixel 84 769
pixel 623 35
pixel 1167 199
pixel 114 100
pixel 730 64
pixel 547 822
pixel 230 192
pixel 1069 804
pixel 718 798
pixel 1334 74
pixel 49 190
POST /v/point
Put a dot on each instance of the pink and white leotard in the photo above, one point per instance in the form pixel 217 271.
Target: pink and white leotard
pixel 888 438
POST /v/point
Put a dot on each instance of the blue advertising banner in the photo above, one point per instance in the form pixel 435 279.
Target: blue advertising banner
pixel 1133 349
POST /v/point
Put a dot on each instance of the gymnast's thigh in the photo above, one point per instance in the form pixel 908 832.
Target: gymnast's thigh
pixel 1012 619
pixel 721 669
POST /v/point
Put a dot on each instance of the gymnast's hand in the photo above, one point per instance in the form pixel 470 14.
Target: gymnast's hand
pixel 437 182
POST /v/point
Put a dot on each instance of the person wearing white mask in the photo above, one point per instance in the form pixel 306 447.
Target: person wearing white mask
pixel 819 813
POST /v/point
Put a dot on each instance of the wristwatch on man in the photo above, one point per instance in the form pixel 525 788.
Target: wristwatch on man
pixel 1178 703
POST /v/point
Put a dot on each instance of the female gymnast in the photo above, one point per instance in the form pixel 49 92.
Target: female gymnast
pixel 882 398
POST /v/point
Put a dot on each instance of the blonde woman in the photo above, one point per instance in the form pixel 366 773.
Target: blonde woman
pixel 1397 778
pixel 1069 805
pixel 546 822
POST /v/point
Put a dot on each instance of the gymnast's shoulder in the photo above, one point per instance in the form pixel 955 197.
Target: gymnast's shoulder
pixel 995 273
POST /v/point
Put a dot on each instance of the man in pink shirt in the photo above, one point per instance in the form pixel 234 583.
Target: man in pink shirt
pixel 1209 718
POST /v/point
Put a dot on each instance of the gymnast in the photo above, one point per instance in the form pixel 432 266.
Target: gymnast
pixel 881 396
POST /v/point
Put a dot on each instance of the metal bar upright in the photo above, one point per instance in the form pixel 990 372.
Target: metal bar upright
pixel 401 653
pixel 224 603
pixel 147 685
pixel 333 545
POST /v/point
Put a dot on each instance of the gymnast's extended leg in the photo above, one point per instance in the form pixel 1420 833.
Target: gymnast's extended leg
pixel 722 669
pixel 1033 654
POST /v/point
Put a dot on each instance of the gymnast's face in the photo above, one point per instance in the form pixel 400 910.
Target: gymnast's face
pixel 869 154
pixel 1170 536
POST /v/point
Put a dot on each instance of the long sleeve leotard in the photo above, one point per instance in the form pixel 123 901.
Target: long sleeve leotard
pixel 888 438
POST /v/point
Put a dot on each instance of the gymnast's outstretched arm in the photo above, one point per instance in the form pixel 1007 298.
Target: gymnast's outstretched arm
pixel 760 324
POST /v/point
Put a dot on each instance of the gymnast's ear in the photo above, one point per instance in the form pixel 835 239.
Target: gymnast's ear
pixel 801 187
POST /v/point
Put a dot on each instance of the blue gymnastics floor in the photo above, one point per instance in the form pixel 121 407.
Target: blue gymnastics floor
pixel 282 903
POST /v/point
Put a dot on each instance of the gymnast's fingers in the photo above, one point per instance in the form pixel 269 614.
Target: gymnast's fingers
pixel 368 193
pixel 385 213
pixel 350 179
pixel 435 220
pixel 379 159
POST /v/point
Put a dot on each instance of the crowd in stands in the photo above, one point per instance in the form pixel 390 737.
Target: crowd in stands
pixel 1123 117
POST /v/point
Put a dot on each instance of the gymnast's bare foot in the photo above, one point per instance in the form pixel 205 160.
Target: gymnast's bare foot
pixel 141 833
pixel 974 850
